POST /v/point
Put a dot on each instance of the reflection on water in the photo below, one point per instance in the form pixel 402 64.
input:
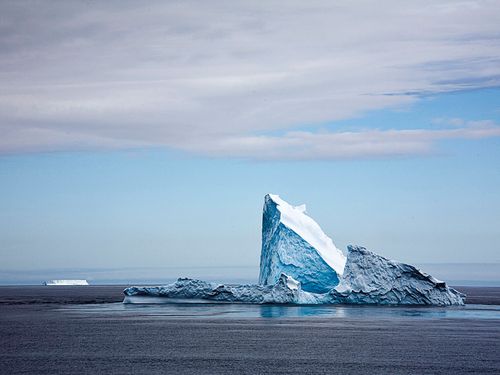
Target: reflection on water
pixel 284 311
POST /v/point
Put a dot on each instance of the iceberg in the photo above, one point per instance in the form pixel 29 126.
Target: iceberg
pixel 65 282
pixel 372 279
pixel 184 290
pixel 294 244
pixel 300 264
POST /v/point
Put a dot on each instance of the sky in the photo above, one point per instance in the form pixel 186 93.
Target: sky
pixel 140 135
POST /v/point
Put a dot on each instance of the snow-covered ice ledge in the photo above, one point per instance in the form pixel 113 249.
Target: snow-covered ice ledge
pixel 301 265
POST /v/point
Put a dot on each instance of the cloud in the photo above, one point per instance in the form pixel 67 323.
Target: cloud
pixel 218 78
pixel 449 121
pixel 342 145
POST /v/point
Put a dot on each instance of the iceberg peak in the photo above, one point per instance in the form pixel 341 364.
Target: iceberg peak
pixel 296 219
pixel 294 244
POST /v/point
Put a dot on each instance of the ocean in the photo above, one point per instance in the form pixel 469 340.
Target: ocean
pixel 87 330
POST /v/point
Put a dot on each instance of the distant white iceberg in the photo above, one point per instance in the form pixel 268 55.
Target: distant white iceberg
pixel 301 265
pixel 65 282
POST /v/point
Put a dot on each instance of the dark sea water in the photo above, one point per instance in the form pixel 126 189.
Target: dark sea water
pixel 87 330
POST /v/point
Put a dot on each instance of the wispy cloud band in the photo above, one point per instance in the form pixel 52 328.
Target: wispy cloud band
pixel 343 145
pixel 216 78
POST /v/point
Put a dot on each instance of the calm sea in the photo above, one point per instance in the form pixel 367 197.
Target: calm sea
pixel 87 330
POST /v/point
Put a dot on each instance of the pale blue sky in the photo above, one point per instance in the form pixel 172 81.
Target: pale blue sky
pixel 153 207
pixel 134 136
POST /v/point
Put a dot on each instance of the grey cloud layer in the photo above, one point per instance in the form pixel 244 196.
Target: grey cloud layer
pixel 223 78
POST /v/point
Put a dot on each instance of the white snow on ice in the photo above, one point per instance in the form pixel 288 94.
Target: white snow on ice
pixel 292 283
pixel 297 220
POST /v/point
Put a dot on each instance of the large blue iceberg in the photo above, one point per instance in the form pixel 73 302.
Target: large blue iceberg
pixel 301 265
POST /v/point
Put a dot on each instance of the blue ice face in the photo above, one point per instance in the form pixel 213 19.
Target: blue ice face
pixel 284 251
